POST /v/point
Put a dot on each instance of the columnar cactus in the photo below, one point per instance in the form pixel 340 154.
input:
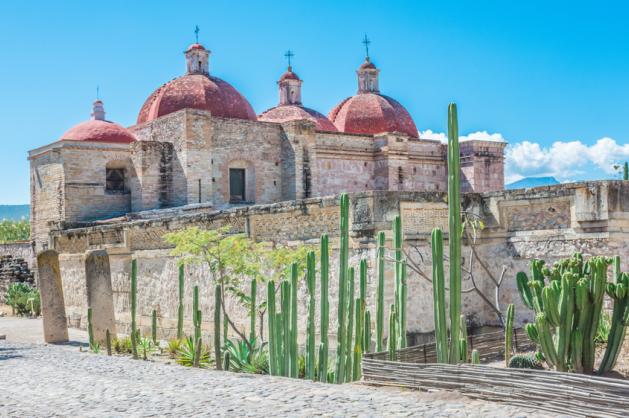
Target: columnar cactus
pixel 134 288
pixel 196 313
pixel 108 341
pixel 568 310
pixel 358 343
pixel 391 341
pixel 154 327
pixel 625 171
pixel 454 230
pixel 325 309
pixel 180 307
pixel 271 315
pixel 90 329
pixel 217 325
pixel 253 311
pixel 400 298
pixel 403 298
pixel 294 366
pixel 350 325
pixel 367 325
pixel 463 356
pixel 310 336
pixel 475 357
pixel 439 298
pixel 339 375
pixel 509 333
pixel 380 293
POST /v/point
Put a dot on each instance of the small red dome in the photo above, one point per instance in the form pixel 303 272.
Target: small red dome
pixel 289 75
pixel 285 113
pixel 99 131
pixel 196 91
pixel 195 46
pixel 371 113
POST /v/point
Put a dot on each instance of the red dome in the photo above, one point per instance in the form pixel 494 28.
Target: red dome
pixel 289 75
pixel 195 46
pixel 285 113
pixel 99 131
pixel 370 113
pixel 196 91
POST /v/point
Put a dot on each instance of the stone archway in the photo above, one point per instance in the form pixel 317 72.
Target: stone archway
pixel 52 302
pixel 100 294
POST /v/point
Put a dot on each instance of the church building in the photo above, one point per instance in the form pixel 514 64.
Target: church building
pixel 198 141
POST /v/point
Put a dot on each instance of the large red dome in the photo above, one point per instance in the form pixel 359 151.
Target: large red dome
pixel 372 113
pixel 285 113
pixel 99 131
pixel 196 91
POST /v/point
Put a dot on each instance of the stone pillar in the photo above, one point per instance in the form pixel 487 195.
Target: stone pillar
pixel 99 293
pixel 52 303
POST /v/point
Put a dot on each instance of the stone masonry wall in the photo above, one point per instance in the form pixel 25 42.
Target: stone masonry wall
pixel 598 224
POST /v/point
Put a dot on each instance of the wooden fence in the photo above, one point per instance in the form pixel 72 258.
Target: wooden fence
pixel 560 393
pixel 489 345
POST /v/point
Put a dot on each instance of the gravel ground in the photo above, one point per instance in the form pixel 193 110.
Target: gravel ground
pixel 59 380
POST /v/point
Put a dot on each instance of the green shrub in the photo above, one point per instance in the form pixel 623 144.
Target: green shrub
pixel 23 299
pixel 122 345
pixel 14 230
pixel 185 354
pixel 525 361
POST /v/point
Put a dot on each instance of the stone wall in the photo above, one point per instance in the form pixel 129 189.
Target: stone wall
pixel 597 223
pixel 16 264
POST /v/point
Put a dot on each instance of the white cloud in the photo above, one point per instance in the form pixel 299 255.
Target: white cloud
pixel 564 160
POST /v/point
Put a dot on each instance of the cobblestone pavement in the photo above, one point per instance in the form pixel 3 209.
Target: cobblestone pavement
pixel 53 380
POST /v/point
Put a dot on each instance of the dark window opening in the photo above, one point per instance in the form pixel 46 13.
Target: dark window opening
pixel 114 180
pixel 236 185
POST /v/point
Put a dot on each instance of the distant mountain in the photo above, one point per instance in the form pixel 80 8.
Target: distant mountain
pixel 14 212
pixel 529 182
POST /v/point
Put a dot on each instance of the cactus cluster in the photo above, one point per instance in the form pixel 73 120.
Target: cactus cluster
pixel 456 350
pixel 567 299
pixel 524 361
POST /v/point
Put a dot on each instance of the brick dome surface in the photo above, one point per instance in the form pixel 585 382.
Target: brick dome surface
pixel 371 113
pixel 196 91
pixel 99 131
pixel 285 113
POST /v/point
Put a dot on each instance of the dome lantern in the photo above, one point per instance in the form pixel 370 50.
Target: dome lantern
pixel 197 59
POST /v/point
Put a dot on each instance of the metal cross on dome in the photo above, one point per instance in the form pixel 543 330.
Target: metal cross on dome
pixel 289 54
pixel 196 33
pixel 366 41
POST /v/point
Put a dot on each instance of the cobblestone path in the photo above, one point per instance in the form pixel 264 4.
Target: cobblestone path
pixel 46 380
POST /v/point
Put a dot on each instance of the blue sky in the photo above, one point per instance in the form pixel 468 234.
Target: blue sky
pixel 551 78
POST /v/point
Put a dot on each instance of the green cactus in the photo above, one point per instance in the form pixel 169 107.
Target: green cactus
pixel 439 298
pixel 403 299
pixel 217 326
pixel 271 314
pixel 154 327
pixel 134 288
pixel 475 357
pixel 180 307
pixel 90 329
pixel 509 333
pixel 325 309
pixel 339 375
pixel 350 325
pixel 226 361
pixel 294 355
pixel 286 334
pixel 310 335
pixel 524 361
pixel 367 332
pixel 454 229
pixel 380 293
pixel 625 171
pixel 253 311
pixel 196 313
pixel 108 341
pixel 619 293
pixel 400 282
pixel 463 356
pixel 358 343
pixel 391 343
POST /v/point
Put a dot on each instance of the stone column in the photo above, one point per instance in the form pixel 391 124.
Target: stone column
pixel 99 293
pixel 52 303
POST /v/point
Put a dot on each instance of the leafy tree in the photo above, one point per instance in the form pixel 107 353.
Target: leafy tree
pixel 233 259
pixel 14 230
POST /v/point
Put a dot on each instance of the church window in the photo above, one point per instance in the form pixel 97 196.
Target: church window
pixel 115 180
pixel 236 185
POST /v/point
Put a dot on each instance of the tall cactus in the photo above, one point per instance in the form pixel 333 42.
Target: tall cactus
pixel 454 229
pixel 439 298
pixel 271 314
pixel 380 293
pixel 90 329
pixel 325 309
pixel 294 366
pixel 196 313
pixel 358 343
pixel 108 341
pixel 154 326
pixel 253 311
pixel 134 288
pixel 217 325
pixel 400 299
pixel 509 333
pixel 391 341
pixel 463 356
pixel 180 306
pixel 286 335
pixel 339 375
pixel 350 325
pixel 618 291
pixel 403 298
pixel 367 332
pixel 625 171
pixel 310 337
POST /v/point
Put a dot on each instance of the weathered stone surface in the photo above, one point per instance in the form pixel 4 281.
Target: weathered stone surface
pixel 99 294
pixel 52 302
